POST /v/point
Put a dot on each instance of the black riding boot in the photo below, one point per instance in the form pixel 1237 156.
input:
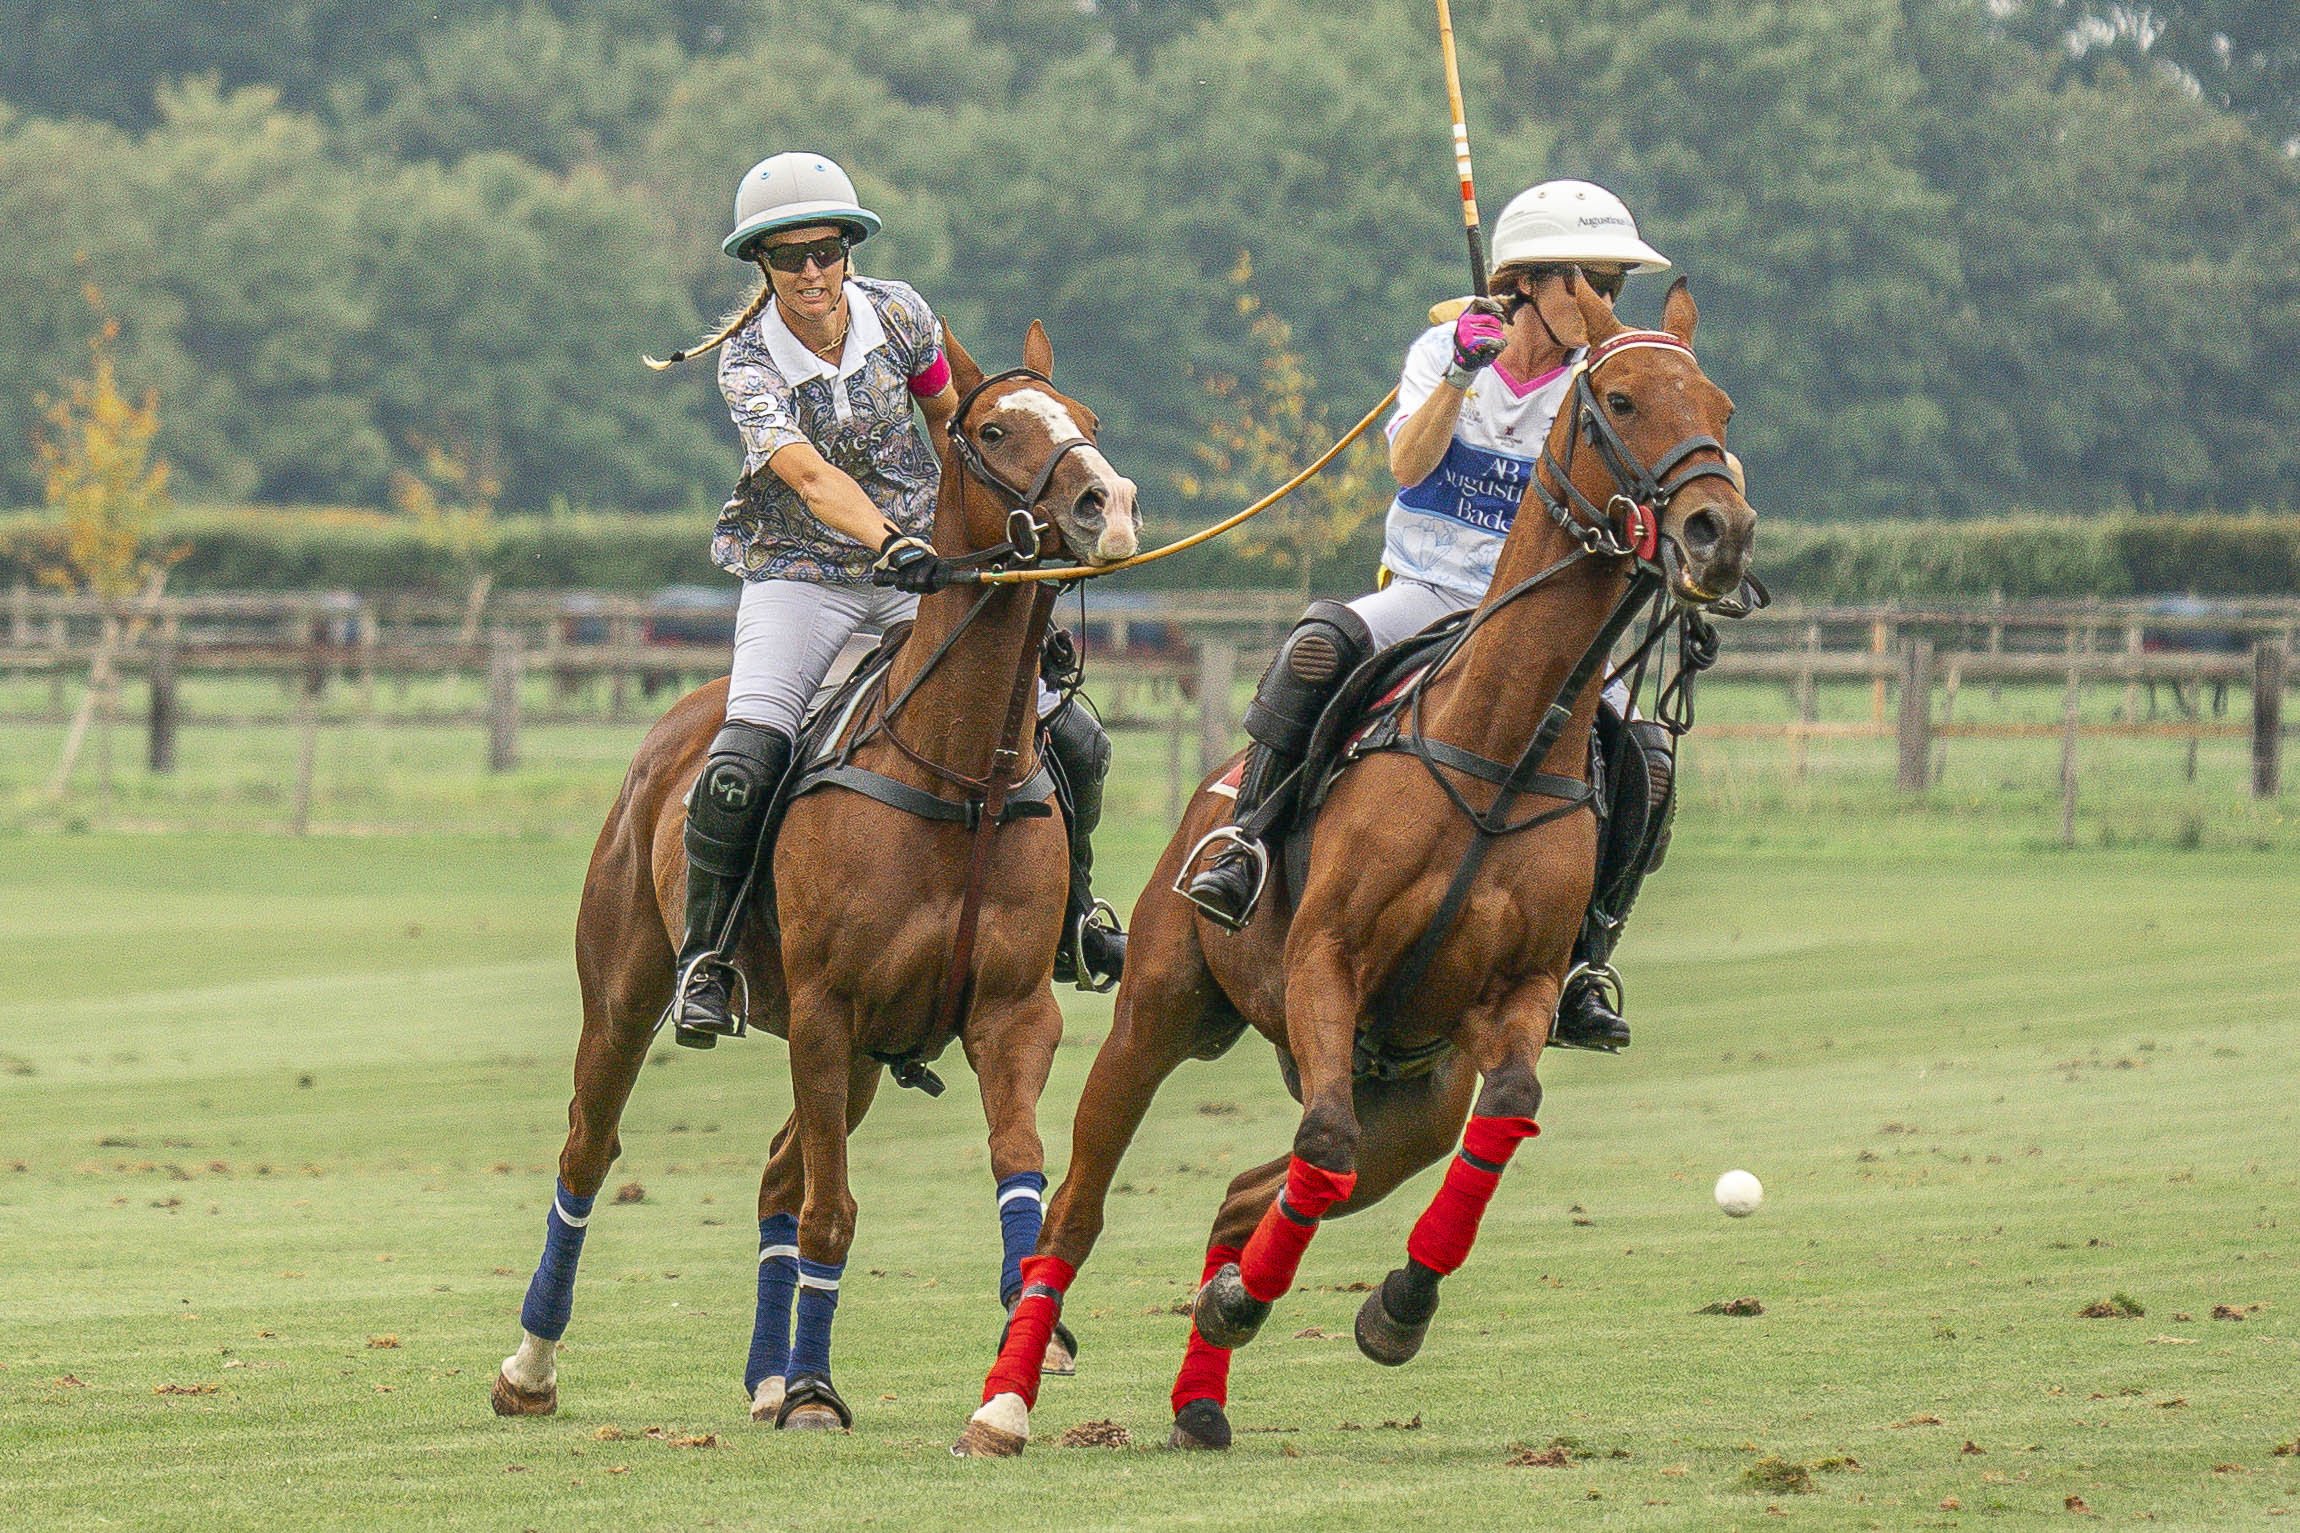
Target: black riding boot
pixel 725 811
pixel 1589 1013
pixel 1093 950
pixel 1326 645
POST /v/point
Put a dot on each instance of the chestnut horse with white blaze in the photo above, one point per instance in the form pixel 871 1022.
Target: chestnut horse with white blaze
pixel 867 962
pixel 1416 935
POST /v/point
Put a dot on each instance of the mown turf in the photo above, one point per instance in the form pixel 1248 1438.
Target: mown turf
pixel 264 1104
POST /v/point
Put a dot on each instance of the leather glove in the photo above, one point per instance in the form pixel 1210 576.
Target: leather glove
pixel 1478 337
pixel 909 564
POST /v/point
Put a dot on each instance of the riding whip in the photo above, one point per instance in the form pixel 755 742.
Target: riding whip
pixel 1469 218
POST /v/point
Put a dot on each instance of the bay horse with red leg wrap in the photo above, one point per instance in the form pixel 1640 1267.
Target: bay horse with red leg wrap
pixel 1435 922
pixel 919 890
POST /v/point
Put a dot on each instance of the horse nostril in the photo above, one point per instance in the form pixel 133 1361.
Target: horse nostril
pixel 1704 529
pixel 1090 506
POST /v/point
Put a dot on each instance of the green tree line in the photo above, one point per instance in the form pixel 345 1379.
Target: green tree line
pixel 1950 262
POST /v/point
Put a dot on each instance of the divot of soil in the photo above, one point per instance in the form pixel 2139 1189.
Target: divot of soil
pixel 1775 1475
pixel 630 1192
pixel 1097 1434
pixel 1539 1458
pixel 184 1389
pixel 1744 1305
pixel 2117 1306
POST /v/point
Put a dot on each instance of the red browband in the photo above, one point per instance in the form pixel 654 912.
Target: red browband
pixel 1629 340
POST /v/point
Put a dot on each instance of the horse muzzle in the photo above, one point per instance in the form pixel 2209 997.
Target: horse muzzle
pixel 1708 552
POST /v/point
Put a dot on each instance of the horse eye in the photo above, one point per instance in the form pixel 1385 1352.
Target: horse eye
pixel 1619 404
pixel 994 433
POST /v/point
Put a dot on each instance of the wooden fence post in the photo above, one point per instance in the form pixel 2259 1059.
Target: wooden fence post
pixel 1916 731
pixel 1880 643
pixel 306 761
pixel 503 702
pixel 2068 723
pixel 1217 666
pixel 1808 703
pixel 160 677
pixel 1176 788
pixel 2267 718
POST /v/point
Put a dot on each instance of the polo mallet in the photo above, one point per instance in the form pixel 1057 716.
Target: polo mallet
pixel 1469 218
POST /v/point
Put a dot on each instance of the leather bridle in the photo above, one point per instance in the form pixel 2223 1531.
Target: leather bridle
pixel 1628 525
pixel 1025 533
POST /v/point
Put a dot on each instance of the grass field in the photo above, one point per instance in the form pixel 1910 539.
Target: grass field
pixel 267 1106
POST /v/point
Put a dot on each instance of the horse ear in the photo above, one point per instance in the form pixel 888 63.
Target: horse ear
pixel 1678 315
pixel 1038 351
pixel 1596 314
pixel 1554 300
pixel 964 375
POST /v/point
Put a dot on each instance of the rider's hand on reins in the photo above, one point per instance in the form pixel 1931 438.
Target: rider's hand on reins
pixel 909 564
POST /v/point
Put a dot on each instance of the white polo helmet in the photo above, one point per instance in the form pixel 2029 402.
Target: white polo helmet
pixel 1570 222
pixel 791 191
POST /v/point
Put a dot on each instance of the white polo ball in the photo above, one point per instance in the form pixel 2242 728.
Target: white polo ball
pixel 1739 1193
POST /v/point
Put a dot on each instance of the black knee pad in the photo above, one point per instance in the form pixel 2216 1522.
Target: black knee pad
pixel 1326 645
pixel 1082 746
pixel 1660 747
pixel 731 795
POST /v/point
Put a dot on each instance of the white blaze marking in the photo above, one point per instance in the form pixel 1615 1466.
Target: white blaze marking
pixel 1049 411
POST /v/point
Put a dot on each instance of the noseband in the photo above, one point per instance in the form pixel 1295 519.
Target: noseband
pixel 1024 531
pixel 1629 524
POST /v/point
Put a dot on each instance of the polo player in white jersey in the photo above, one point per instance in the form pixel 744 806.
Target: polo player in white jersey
pixel 1475 403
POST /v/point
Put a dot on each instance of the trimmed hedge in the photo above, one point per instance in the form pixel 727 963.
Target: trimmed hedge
pixel 2025 556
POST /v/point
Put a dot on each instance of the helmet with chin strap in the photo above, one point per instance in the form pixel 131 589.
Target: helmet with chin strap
pixel 1571 223
pixel 793 191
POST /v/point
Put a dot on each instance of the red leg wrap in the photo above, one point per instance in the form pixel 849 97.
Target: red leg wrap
pixel 1020 1359
pixel 1205 1371
pixel 1448 1227
pixel 1275 1251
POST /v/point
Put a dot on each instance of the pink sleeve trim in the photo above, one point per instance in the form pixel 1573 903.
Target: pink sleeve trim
pixel 934 380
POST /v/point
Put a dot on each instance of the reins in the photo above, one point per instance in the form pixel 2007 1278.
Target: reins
pixel 1070 572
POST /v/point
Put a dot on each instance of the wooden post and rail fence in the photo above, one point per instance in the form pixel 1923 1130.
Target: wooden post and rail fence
pixel 1173 661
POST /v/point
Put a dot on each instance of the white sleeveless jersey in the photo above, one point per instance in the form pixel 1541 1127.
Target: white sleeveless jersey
pixel 1448 530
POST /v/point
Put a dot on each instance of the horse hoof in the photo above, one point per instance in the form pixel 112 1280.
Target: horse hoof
pixel 767 1404
pixel 811 1405
pixel 1202 1427
pixel 511 1400
pixel 999 1428
pixel 1226 1315
pixel 1061 1360
pixel 1385 1339
pixel 812 1418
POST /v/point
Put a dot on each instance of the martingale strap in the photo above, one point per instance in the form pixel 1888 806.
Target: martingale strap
pixel 1516 781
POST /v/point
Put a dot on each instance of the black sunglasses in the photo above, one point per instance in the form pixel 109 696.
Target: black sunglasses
pixel 826 253
pixel 1605 284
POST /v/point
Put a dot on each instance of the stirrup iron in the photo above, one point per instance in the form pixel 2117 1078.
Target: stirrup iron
pixel 738 993
pixel 1603 975
pixel 1101 915
pixel 1258 854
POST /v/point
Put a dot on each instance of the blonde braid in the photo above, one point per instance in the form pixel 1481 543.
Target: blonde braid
pixel 731 327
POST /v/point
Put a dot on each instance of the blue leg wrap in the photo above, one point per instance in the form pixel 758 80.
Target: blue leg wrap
pixel 1021 1210
pixel 818 1302
pixel 778 1282
pixel 551 1294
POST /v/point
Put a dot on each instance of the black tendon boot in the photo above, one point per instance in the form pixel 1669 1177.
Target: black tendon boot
pixel 724 813
pixel 1326 645
pixel 1093 949
pixel 1589 1013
